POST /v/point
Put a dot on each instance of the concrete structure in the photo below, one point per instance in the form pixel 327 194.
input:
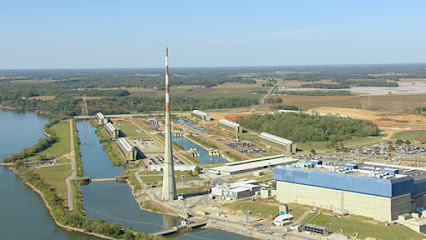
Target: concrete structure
pixel 278 142
pixel 112 131
pixel 200 115
pixel 169 182
pixel 252 165
pixel 101 118
pixel 129 152
pixel 237 190
pixel 231 126
pixel 371 193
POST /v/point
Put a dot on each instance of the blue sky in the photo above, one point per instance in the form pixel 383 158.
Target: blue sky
pixel 133 33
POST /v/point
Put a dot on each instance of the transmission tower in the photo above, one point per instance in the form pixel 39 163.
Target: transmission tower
pixel 84 110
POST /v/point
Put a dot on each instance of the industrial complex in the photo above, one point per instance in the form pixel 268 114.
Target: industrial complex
pixel 112 131
pixel 379 191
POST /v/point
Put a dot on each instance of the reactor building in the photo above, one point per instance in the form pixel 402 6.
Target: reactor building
pixel 375 190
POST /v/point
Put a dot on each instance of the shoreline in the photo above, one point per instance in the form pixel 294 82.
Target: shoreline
pixel 67 228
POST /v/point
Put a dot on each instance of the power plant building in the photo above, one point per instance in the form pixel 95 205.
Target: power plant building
pixel 278 142
pixel 382 194
pixel 200 115
pixel 129 152
pixel 231 126
pixel 101 118
pixel 112 131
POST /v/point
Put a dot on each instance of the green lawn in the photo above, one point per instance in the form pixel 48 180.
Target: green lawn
pixel 321 220
pixel 408 135
pixel 130 130
pixel 258 208
pixel 149 178
pixel 62 146
pixel 354 224
pixel 55 177
pixel 267 176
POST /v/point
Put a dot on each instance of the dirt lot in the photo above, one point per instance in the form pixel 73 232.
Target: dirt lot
pixel 387 121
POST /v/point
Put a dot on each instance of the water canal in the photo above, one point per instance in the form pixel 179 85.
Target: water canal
pixel 187 145
pixel 22 212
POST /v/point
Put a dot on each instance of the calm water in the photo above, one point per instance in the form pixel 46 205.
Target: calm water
pixel 187 145
pixel 22 212
pixel 112 201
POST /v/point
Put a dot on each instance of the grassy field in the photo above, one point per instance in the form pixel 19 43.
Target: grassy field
pixel 350 143
pixel 55 177
pixel 156 176
pixel 408 135
pixel 258 208
pixel 354 224
pixel 43 97
pixel 321 219
pixel 62 146
pixel 268 175
pixel 129 129
pixel 151 179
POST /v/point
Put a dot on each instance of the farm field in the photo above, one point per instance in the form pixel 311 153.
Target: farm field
pixel 389 122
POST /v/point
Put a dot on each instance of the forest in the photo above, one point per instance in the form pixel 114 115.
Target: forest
pixel 301 127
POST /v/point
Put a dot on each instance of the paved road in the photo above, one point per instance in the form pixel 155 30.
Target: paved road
pixel 73 175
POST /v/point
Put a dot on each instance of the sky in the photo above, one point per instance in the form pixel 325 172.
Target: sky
pixel 49 34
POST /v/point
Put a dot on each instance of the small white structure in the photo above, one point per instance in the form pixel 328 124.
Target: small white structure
pixel 101 118
pixel 282 220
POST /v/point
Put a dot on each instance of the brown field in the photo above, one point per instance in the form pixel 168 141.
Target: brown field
pixel 43 97
pixel 389 122
pixel 296 84
pixel 412 79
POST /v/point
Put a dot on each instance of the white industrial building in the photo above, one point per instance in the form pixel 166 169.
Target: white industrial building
pixel 237 190
pixel 112 131
pixel 200 115
pixel 231 126
pixel 127 150
pixel 278 142
pixel 252 165
pixel 101 118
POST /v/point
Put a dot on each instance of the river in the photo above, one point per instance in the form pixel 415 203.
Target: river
pixel 23 214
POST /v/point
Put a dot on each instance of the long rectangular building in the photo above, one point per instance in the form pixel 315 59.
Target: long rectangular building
pixel 112 131
pixel 231 126
pixel 101 118
pixel 252 165
pixel 278 142
pixel 129 152
pixel 200 115
pixel 379 194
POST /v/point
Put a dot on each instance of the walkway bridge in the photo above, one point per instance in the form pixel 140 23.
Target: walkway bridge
pixel 180 228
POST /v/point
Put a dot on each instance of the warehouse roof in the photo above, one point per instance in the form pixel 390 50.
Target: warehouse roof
pixel 125 144
pixel 275 138
pixel 253 164
pixel 110 127
pixel 226 122
pixel 199 112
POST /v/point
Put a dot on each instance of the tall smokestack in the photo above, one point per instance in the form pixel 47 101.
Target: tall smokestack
pixel 169 184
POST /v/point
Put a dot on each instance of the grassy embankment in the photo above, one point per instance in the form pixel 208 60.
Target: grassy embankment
pixel 350 225
pixel 408 135
pixel 258 208
pixel 49 182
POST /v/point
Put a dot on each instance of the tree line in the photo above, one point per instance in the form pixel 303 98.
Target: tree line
pixel 305 128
